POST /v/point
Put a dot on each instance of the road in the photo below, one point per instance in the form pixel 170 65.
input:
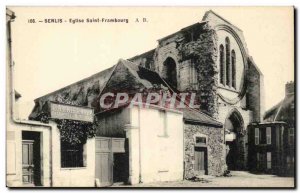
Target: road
pixel 238 179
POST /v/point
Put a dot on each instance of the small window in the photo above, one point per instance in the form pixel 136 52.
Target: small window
pixel 72 156
pixel 256 136
pixel 163 130
pixel 269 137
pixel 200 140
pixel 269 160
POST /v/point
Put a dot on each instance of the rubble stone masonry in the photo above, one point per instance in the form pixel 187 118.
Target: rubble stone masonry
pixel 215 149
pixel 204 53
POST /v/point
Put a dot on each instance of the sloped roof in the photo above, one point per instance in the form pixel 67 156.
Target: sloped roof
pixel 195 116
pixel 280 111
pixel 150 78
pixel 124 75
pixel 147 77
pixel 210 12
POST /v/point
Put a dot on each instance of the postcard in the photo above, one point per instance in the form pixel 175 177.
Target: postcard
pixel 150 97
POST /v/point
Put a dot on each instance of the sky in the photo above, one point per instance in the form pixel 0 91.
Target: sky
pixel 49 56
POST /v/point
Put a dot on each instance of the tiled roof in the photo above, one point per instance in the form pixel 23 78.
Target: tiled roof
pixel 279 111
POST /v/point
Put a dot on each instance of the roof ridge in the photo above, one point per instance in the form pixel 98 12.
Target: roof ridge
pixel 114 69
pixel 131 70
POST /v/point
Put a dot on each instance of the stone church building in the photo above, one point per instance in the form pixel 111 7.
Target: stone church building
pixel 209 58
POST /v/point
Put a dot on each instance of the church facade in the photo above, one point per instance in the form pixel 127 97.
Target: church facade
pixel 209 58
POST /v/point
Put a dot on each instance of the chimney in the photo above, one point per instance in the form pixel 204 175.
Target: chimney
pixel 289 88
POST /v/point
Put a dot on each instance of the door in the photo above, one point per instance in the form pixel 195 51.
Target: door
pixel 200 161
pixel 27 162
pixel 104 168
pixel 104 161
pixel 108 149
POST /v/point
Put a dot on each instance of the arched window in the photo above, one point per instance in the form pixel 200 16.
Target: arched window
pixel 169 72
pixel 233 69
pixel 228 64
pixel 222 65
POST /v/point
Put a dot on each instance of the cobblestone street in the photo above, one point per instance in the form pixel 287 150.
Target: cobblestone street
pixel 238 179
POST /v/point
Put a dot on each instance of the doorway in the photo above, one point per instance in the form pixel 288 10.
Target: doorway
pixel 112 160
pixel 235 141
pixel 31 158
pixel 231 153
pixel 121 167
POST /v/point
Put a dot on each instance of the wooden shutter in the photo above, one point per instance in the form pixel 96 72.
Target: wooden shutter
pixel 269 160
pixel 291 136
pixel 256 136
pixel 269 137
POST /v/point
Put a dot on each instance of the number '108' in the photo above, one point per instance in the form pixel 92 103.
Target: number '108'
pixel 31 20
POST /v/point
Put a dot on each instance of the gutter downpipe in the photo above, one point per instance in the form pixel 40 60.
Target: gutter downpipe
pixel 140 151
pixel 12 93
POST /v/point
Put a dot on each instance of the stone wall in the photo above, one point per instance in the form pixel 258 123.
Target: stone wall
pixel 203 51
pixel 195 53
pixel 216 164
pixel 255 91
pixel 168 49
pixel 145 60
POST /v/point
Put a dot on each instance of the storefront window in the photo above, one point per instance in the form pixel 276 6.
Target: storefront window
pixel 72 156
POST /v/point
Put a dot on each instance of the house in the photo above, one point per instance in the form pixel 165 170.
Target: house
pixel 23 137
pixel 272 143
pixel 267 147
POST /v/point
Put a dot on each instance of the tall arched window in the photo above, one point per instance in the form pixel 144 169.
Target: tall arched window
pixel 233 68
pixel 222 65
pixel 228 63
pixel 169 72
